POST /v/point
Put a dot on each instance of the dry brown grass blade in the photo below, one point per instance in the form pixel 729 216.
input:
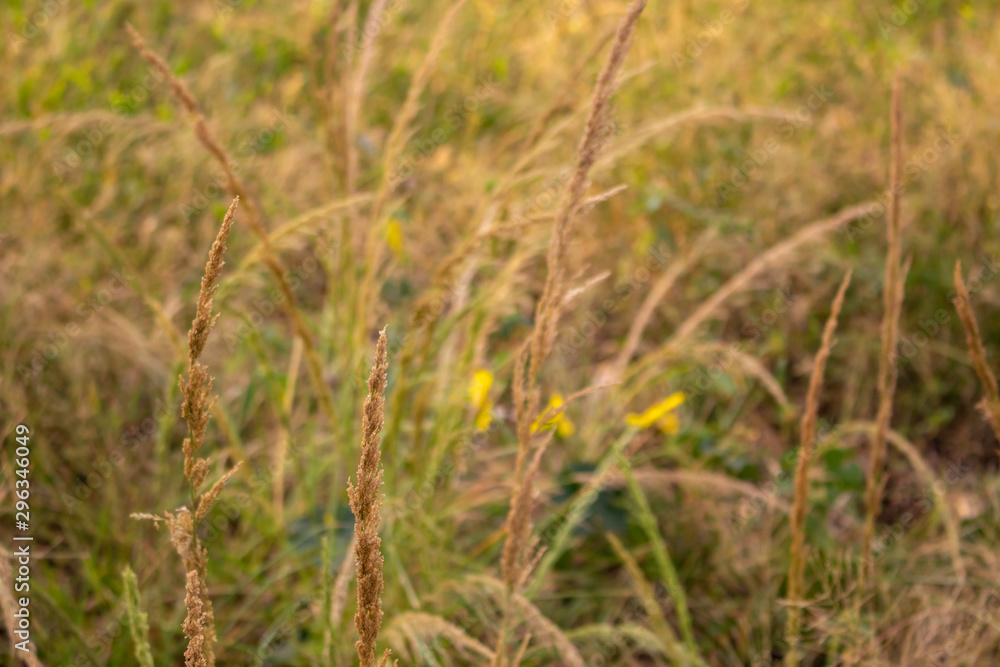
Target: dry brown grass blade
pixel 594 138
pixel 300 224
pixel 515 559
pixel 990 405
pixel 642 135
pixel 741 280
pixel 415 626
pixel 338 596
pixel 748 364
pixel 366 503
pixel 237 189
pixel 540 627
pixel 764 261
pixel 196 389
pixel 892 299
pixel 519 656
pixel 657 481
pixel 796 567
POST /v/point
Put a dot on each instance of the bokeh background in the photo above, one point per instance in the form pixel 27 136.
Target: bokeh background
pixel 736 126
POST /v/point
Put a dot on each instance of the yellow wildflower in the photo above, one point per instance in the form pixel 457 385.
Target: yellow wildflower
pixel 479 390
pixel 484 416
pixel 394 238
pixel 660 414
pixel 555 417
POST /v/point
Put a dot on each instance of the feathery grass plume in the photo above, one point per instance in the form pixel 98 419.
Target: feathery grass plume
pixel 990 405
pixel 196 623
pixel 892 298
pixel 593 140
pixel 199 625
pixel 237 189
pixel 796 567
pixel 366 503
pixel 660 481
pixel 565 95
pixel 547 311
pixel 138 621
pixel 515 559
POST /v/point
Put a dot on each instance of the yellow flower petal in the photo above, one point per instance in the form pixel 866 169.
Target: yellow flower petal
pixel 656 412
pixel 485 416
pixel 479 388
pixel 551 413
pixel 633 419
pixel 674 400
pixel 394 237
pixel 670 424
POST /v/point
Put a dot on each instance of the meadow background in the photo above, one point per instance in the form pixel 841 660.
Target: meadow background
pixel 736 126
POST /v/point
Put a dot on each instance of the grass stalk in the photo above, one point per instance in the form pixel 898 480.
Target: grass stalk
pixel 138 621
pixel 237 189
pixel 796 567
pixel 199 626
pixel 366 503
pixel 990 405
pixel 892 293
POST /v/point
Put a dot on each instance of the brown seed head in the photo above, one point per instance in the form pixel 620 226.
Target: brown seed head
pixel 366 502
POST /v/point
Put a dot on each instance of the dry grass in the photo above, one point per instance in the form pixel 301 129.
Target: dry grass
pixel 196 389
pixel 797 556
pixel 237 189
pixel 534 199
pixel 892 303
pixel 518 557
pixel 990 405
pixel 366 503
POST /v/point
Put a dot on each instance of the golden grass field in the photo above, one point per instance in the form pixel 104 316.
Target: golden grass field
pixel 563 333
